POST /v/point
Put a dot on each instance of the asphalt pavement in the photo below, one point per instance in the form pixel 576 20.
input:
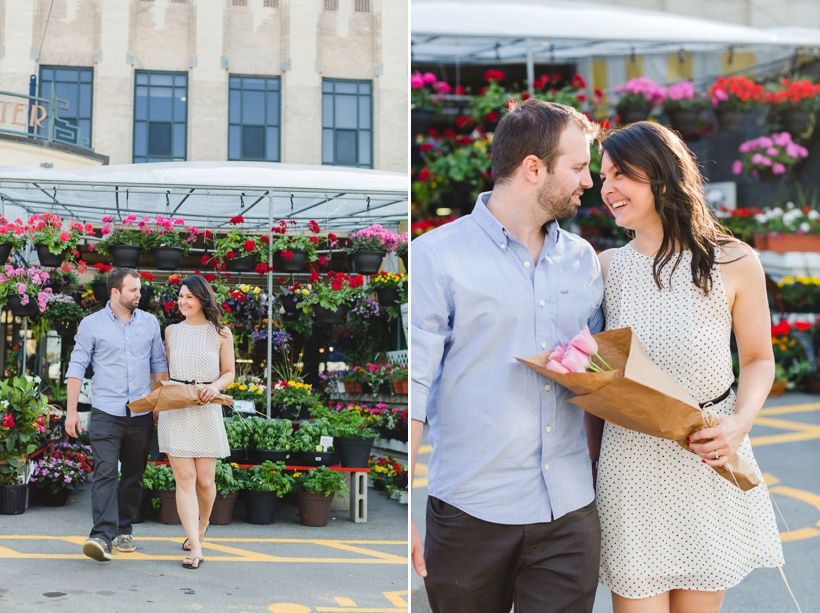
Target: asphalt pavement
pixel 786 443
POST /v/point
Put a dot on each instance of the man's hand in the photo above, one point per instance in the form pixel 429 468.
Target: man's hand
pixel 416 551
pixel 72 423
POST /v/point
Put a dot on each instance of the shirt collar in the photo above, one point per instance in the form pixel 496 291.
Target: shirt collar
pixel 496 230
pixel 113 315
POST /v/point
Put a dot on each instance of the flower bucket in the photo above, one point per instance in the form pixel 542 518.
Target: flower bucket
pixel 400 387
pixel 729 121
pixel 237 455
pixel 421 119
pixel 47 258
pixel 795 121
pixel 353 452
pixel 684 121
pixel 18 309
pixel 146 293
pixel 784 243
pixel 326 316
pixel 100 290
pixel 314 509
pixel 315 458
pixel 293 412
pixel 125 256
pixel 388 296
pixel 295 264
pixel 13 499
pixel 222 511
pixel 167 513
pixel 635 113
pixel 353 387
pixel 290 304
pixel 244 264
pixel 167 258
pixel 367 262
pixel 5 251
pixel 65 328
pixel 260 507
pixel 54 499
pixel 778 388
pixel 274 455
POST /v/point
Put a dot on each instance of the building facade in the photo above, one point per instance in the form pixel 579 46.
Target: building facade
pixel 295 81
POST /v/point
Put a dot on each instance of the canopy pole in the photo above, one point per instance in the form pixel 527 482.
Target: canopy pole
pixel 270 298
pixel 530 68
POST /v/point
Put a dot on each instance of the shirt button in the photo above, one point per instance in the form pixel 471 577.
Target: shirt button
pixel 547 387
pixel 549 429
pixel 546 466
pixel 503 246
pixel 542 303
pixel 543 345
pixel 526 264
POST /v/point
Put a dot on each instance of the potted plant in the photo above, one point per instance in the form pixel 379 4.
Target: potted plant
pixel 167 243
pixel 63 314
pixel 327 299
pixel 352 436
pixel 316 489
pixel 425 93
pixel 733 98
pixel 294 249
pixel 637 98
pixel 239 250
pixel 793 104
pixel 491 101
pixel 683 106
pixel 367 248
pixel 125 242
pixel 354 379
pixel 58 474
pixel 401 248
pixel 227 491
pixel 272 440
pixel 390 287
pixel 769 157
pixel 293 399
pixel 99 282
pixel 388 474
pixel 400 380
pixel 159 479
pixel 239 432
pixel 307 444
pixel 146 290
pixel 23 290
pixel 23 411
pixel 53 243
pixel 788 229
pixel 264 485
pixel 12 236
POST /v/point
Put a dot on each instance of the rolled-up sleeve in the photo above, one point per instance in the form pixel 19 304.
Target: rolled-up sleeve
pixel 431 324
pixel 84 342
pixel 159 361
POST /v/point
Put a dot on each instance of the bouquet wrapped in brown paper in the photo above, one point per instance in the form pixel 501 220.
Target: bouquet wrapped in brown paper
pixel 639 396
pixel 171 395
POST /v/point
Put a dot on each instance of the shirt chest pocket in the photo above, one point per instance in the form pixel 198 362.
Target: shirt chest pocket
pixel 576 305
pixel 139 345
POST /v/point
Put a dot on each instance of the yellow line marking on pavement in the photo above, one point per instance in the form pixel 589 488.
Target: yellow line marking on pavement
pixel 795 408
pixel 770 480
pixel 341 610
pixel 344 602
pixel 799 534
pixel 396 598
pixel 387 557
pixel 420 477
pixel 800 431
pixel 426 449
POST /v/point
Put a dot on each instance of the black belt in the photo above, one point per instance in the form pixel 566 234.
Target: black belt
pixel 209 382
pixel 717 400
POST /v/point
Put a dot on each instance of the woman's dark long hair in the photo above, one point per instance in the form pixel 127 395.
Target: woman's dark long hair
pixel 680 201
pixel 200 288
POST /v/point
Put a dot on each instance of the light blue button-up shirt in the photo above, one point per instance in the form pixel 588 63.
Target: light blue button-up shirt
pixel 123 356
pixel 508 447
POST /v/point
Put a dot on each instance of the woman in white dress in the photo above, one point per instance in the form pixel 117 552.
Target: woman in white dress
pixel 200 350
pixel 675 534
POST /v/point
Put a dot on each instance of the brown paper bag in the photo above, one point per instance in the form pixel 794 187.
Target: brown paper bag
pixel 639 396
pixel 172 395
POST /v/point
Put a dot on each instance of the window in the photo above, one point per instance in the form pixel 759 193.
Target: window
pixel 74 85
pixel 274 4
pixel 253 119
pixel 331 5
pixel 160 116
pixel 362 6
pixel 347 133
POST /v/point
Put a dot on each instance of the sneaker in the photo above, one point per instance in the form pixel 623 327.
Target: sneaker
pixel 97 549
pixel 125 543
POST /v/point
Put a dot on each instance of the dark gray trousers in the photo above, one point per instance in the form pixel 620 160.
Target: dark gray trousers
pixel 473 565
pixel 127 439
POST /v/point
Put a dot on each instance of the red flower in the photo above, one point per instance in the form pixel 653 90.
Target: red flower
pixel 331 237
pixel 491 116
pixel 459 90
pixel 250 245
pixel 8 421
pixel 286 255
pixel 237 219
pixel 313 227
pixel 426 146
pixel 207 234
pixel 494 75
pixel 262 268
pixel 314 277
pixel 323 260
pixel 205 259
pixel 424 174
pixel 782 328
pixel 168 306
pixel 578 82
pixel 525 96
pixel 226 308
pixel 265 239
pixel 581 98
pixel 314 240
pixel 230 255
pixel 174 279
pixel 281 280
pixel 147 276
pixel 802 325
pixel 604 123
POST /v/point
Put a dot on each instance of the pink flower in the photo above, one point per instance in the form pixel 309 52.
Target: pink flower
pixel 106 229
pixel 558 353
pixel 107 219
pixel 416 82
pixel 21 289
pixel 772 151
pixel 429 78
pixel 557 367
pixel 65 236
pixel 575 360
pixel 778 168
pixel 584 342
pixel 737 167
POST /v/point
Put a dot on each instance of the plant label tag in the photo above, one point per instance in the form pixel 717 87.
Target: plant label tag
pixel 325 442
pixel 244 406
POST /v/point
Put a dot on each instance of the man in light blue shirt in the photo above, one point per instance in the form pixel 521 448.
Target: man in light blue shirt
pixel 124 347
pixel 511 517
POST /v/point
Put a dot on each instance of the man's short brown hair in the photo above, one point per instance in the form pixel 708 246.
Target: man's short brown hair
pixel 533 127
pixel 117 276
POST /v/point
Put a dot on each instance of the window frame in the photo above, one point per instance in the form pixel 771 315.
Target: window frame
pixel 358 129
pixel 265 126
pixel 79 83
pixel 146 156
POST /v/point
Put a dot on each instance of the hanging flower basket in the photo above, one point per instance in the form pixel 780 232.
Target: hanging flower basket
pixel 18 309
pixel 100 290
pixel 167 258
pixel 729 121
pixel 125 256
pixel 65 328
pixel 48 259
pixel 246 263
pixel 388 296
pixel 293 264
pixel 367 262
pixel 146 293
pixel 421 119
pixel 5 251
pixel 327 316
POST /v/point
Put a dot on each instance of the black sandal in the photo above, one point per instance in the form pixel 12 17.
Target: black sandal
pixel 189 563
pixel 186 545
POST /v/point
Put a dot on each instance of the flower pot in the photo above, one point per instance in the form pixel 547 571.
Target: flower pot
pixel 778 388
pixel 167 258
pixel 684 121
pixel 260 507
pixel 65 328
pixel 146 293
pixel 47 258
pixel 293 412
pixel 353 387
pixel 237 455
pixel 729 121
pixel 290 303
pixel 168 509
pixel 632 114
pixel 400 387
pixel 125 256
pixel 795 121
pixel 13 499
pixel 295 264
pixel 314 509
pixel 18 309
pixel 315 458
pixel 222 511
pixel 421 119
pixel 326 316
pixel 54 499
pixel 246 263
pixel 784 243
pixel 353 452
pixel 388 296
pixel 367 262
pixel 5 251
pixel 100 290
pixel 274 455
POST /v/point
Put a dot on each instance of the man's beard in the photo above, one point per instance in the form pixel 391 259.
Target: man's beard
pixel 127 304
pixel 555 203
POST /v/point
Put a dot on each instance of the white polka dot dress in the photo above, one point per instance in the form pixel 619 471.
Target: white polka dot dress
pixel 193 432
pixel 668 521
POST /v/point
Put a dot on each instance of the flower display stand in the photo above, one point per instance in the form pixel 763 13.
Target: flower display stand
pixel 786 243
pixel 793 263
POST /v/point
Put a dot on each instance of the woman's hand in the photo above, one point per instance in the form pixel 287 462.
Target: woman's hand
pixel 725 439
pixel 208 393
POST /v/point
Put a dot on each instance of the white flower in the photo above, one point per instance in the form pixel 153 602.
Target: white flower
pixel 790 205
pixel 813 214
pixel 805 227
pixel 37 379
pixel 761 218
pixel 776 212
pixel 4 404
